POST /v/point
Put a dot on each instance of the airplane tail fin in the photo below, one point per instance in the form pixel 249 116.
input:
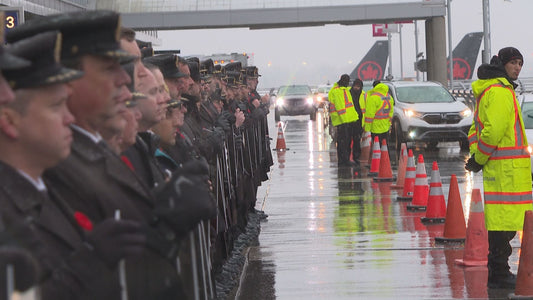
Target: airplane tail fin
pixel 372 66
pixel 465 56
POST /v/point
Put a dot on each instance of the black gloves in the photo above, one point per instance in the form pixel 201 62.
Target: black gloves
pixel 472 165
pixel 231 118
pixel 258 113
pixel 24 265
pixel 186 200
pixel 216 139
pixel 223 121
pixel 112 240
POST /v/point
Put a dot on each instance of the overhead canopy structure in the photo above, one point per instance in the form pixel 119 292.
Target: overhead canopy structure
pixel 278 17
pixel 147 15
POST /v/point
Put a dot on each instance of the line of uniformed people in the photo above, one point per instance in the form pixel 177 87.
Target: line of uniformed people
pixel 116 165
pixel 352 112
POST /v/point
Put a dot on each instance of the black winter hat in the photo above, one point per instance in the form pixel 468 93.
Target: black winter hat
pixel 358 82
pixel 509 53
pixel 344 80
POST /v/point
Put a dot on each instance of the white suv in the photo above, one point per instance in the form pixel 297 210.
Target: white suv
pixel 427 112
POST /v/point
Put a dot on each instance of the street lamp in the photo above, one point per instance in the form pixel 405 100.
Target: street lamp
pixel 486 33
pixel 450 48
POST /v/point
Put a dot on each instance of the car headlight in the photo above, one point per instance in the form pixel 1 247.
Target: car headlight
pixel 412 114
pixel 280 101
pixel 530 149
pixel 309 100
pixel 466 113
pixel 319 98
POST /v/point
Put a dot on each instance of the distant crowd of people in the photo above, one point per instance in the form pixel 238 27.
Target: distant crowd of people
pixel 125 175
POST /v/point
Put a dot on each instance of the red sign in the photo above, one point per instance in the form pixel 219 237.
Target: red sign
pixel 377 29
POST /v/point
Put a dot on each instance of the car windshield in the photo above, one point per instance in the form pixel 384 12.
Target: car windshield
pixel 527 114
pixel 324 90
pixel 423 94
pixel 294 90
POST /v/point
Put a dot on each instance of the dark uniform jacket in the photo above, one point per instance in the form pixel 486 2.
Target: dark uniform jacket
pixel 94 180
pixel 69 269
pixel 142 157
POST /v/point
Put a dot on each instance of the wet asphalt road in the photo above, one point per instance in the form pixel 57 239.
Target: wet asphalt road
pixel 333 235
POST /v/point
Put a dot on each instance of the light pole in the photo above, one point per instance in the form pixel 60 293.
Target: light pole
pixel 486 32
pixel 416 50
pixel 450 48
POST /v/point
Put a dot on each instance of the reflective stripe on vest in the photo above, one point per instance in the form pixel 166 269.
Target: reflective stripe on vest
pixel 519 151
pixel 331 108
pixel 509 153
pixel 510 198
pixel 347 102
pixel 384 110
pixel 472 139
pixel 479 125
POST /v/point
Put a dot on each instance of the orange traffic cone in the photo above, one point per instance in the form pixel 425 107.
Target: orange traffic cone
pixel 421 191
pixel 454 226
pixel 401 168
pixel 280 143
pixel 281 159
pixel 365 147
pixel 410 175
pixel 376 157
pixel 436 209
pixel 385 171
pixel 477 240
pixel 524 280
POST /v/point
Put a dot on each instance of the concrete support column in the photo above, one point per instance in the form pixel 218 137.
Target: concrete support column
pixel 436 50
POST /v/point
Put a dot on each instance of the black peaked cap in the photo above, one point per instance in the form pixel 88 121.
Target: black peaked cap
pixel 43 51
pixel 167 63
pixel 252 72
pixel 7 60
pixel 94 32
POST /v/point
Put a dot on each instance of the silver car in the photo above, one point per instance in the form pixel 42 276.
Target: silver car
pixel 293 100
pixel 427 112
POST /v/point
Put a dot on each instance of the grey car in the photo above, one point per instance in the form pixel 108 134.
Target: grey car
pixel 294 100
pixel 427 112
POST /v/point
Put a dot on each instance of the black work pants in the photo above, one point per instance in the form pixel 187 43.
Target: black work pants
pixel 381 136
pixel 344 138
pixel 499 251
pixel 357 131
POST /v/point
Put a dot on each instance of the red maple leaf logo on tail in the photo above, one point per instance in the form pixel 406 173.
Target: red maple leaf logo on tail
pixel 370 70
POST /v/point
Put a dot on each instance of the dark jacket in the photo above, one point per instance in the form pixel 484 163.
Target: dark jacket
pixel 69 269
pixel 142 157
pixel 93 179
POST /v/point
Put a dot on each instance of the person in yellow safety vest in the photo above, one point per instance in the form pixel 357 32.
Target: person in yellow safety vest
pixel 378 112
pixel 498 145
pixel 343 114
pixel 358 98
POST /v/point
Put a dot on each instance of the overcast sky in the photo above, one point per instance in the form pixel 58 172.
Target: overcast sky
pixel 316 55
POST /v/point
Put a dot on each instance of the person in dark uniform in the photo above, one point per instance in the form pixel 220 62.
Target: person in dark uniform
pixel 167 130
pixel 356 91
pixel 78 259
pixel 174 78
pixel 142 153
pixel 93 179
pixel 11 254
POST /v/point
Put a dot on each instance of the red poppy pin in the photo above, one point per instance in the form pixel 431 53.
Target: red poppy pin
pixel 83 221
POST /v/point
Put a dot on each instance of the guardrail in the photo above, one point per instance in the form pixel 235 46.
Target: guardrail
pixel 463 89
